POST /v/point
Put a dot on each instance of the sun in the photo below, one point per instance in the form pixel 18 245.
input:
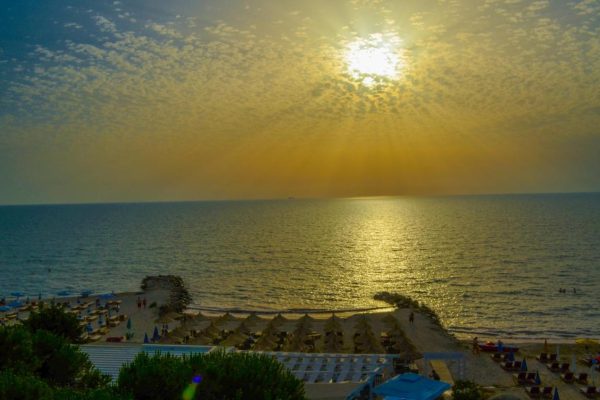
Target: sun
pixel 374 58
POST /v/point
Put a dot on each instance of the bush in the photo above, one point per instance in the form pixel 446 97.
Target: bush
pixel 466 390
pixel 16 350
pixel 15 386
pixel 63 364
pixel 224 376
pixel 55 320
pixel 48 357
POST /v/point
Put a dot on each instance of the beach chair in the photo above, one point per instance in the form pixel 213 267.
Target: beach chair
pixel 552 357
pixel 530 378
pixel 582 378
pixel 547 392
pixel 520 378
pixel 564 368
pixel 497 357
pixel 507 365
pixel 543 358
pixel 553 366
pixel 534 392
pixel 568 377
pixel 589 391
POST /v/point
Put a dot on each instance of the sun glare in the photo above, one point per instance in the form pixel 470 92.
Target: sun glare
pixel 373 58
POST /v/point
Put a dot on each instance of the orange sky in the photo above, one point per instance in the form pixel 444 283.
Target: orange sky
pixel 259 100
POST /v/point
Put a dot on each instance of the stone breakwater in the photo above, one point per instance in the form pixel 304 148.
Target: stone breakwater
pixel 179 296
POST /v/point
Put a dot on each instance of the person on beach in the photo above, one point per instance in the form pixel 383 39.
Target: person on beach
pixel 411 317
pixel 434 375
pixel 475 345
pixel 144 302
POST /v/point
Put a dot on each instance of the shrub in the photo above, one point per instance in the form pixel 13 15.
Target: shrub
pixel 154 377
pixel 15 386
pixel 16 350
pixel 224 376
pixel 63 364
pixel 55 320
pixel 466 390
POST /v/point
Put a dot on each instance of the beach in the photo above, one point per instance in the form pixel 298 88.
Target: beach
pixel 420 338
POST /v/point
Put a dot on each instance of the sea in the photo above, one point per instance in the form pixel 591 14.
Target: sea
pixel 488 265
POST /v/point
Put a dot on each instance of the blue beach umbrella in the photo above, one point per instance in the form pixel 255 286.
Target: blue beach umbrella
pixel 524 365
pixel 146 340
pixel 15 304
pixel 155 335
pixel 537 381
pixel 40 296
pixel 129 324
pixel 17 294
pixel 105 296
pixel 511 356
pixel 555 397
pixel 5 308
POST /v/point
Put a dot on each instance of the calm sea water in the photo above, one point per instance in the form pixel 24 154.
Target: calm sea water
pixel 488 265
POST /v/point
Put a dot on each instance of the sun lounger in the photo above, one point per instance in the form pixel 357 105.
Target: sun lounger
pixel 589 391
pixel 543 358
pixel 534 392
pixel 564 368
pixel 553 366
pixel 568 377
pixel 497 357
pixel 547 392
pixel 582 378
pixel 511 365
pixel 525 378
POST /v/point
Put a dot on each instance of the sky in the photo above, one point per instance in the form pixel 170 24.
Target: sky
pixel 147 100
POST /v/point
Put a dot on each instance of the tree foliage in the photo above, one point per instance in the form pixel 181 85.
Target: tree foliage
pixel 54 319
pixel 466 390
pixel 224 376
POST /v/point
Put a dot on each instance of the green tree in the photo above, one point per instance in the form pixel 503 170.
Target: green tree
pixel 466 390
pixel 64 365
pixel 54 319
pixel 225 376
pixel 16 350
pixel 14 386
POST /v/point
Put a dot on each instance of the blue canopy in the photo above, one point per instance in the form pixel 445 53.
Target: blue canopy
pixel 412 387
pixel 524 365
pixel 5 308
pixel 538 381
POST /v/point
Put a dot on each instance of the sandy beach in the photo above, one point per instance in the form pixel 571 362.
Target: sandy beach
pixel 420 337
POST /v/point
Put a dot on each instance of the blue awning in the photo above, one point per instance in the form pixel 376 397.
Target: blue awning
pixel 411 387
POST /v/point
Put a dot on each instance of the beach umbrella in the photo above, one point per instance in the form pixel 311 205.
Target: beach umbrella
pixel 17 294
pixel 511 356
pixel 538 381
pixel 555 397
pixel 39 296
pixel 524 365
pixel 5 308
pixel 279 319
pixel 15 304
pixel 253 319
pixel 105 296
pixel 146 340
pixel 155 335
pixel 129 324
